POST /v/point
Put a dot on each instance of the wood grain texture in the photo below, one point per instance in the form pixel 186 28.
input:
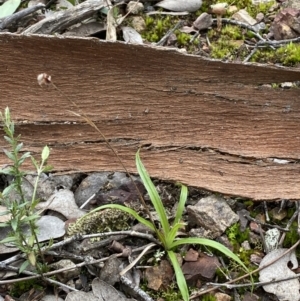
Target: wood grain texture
pixel 206 123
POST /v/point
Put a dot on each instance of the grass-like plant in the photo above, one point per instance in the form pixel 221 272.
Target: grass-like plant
pixel 167 232
pixel 21 211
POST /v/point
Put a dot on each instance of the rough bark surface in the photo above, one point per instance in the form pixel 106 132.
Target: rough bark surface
pixel 205 123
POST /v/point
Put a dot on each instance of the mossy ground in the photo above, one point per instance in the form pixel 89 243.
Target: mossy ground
pixel 225 44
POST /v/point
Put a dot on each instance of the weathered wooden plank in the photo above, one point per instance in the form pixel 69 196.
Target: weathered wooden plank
pixel 209 124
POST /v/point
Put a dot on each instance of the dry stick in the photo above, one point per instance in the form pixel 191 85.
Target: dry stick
pixel 132 264
pixel 6 22
pixel 79 265
pixel 288 225
pixel 248 217
pixel 248 274
pixel 51 281
pixel 266 211
pixel 257 284
pixel 143 295
pixel 166 36
pixel 253 51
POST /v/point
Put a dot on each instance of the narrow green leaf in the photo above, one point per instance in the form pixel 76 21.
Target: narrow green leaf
pixel 9 155
pixel 125 209
pixel 7 171
pixel 45 153
pixel 8 139
pixel 7 113
pixel 4 225
pixel 32 259
pixel 14 224
pixel 7 9
pixel 179 276
pixel 8 239
pixel 25 156
pixel 170 237
pixel 5 212
pixel 31 241
pixel 23 266
pixel 30 218
pixel 34 162
pixel 47 168
pixel 153 194
pixel 181 204
pixel 19 147
pixel 210 243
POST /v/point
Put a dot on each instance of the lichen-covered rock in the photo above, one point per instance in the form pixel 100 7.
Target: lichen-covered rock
pixel 101 221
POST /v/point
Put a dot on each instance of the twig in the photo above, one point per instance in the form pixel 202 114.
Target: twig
pixel 183 13
pixel 166 36
pixel 134 262
pixel 79 265
pixel 266 211
pixel 248 217
pixel 248 274
pixel 241 24
pixel 136 290
pixel 15 269
pixel 130 232
pixel 277 43
pixel 6 22
pixel 253 51
pixel 87 201
pixel 257 284
pixel 288 225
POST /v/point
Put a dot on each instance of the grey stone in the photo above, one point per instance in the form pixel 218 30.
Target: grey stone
pixel 91 184
pixel 135 7
pixel 243 16
pixel 213 214
pixel 204 21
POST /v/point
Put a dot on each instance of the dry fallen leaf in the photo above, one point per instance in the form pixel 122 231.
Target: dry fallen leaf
pixel 62 201
pixel 284 290
pixel 180 5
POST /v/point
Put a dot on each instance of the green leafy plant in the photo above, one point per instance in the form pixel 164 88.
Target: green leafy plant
pixel 167 232
pixel 21 211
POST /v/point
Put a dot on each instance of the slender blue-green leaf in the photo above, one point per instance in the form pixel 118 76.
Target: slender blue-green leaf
pixel 30 218
pixel 170 237
pixel 153 194
pixel 31 240
pixel 210 243
pixel 7 115
pixel 23 266
pixel 3 225
pixel 47 168
pixel 14 224
pixel 7 171
pixel 5 212
pixel 7 9
pixel 19 147
pixel 9 155
pixel 125 209
pixel 45 153
pixel 179 276
pixel 8 239
pixel 35 163
pixel 8 139
pixel 181 204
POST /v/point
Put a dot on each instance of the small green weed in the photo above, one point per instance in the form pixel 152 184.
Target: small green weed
pixel 167 232
pixel 22 211
pixel 287 55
